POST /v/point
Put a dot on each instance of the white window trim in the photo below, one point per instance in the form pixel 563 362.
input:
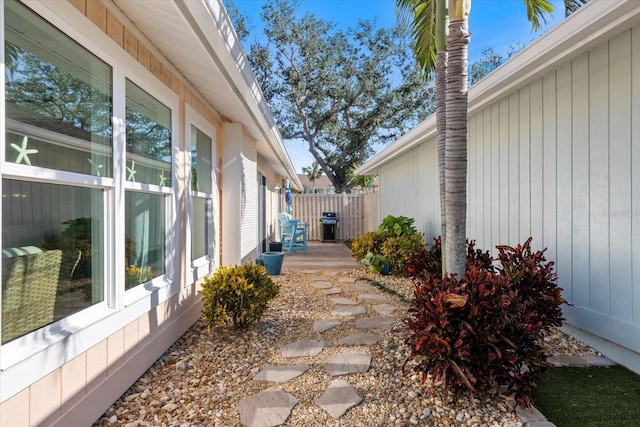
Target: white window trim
pixel 200 267
pixel 27 359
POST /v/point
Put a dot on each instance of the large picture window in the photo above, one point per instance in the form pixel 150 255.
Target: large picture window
pixel 58 109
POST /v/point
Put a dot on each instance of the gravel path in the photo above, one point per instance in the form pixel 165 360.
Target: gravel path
pixel 201 379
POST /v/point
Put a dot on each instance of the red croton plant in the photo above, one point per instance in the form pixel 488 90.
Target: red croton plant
pixel 483 333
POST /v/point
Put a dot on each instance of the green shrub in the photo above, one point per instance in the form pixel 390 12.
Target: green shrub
pixel 485 331
pixel 397 226
pixel 368 242
pixel 238 294
pixel 398 249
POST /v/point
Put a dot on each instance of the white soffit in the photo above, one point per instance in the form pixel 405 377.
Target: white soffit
pixel 198 39
pixel 596 21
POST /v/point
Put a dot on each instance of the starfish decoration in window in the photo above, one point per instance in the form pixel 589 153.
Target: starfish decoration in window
pixel 23 151
pixel 96 167
pixel 163 179
pixel 132 171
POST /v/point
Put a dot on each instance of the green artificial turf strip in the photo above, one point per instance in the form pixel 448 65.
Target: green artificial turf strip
pixel 594 396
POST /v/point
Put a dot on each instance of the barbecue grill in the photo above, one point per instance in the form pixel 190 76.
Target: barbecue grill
pixel 329 222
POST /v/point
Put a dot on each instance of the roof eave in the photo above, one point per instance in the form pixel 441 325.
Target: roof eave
pixel 575 35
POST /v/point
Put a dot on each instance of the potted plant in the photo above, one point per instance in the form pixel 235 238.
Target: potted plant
pixel 376 263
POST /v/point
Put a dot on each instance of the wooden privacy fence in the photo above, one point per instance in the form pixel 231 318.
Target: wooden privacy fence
pixel 357 213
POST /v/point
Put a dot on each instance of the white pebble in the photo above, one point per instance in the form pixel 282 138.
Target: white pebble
pixel 426 412
pixel 413 394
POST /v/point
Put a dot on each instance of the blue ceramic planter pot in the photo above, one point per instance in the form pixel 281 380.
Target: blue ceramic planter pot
pixel 273 262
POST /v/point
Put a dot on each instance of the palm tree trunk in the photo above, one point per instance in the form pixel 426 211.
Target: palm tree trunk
pixel 456 141
pixel 441 112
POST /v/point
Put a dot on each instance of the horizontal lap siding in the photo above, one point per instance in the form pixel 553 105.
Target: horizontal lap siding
pixel 558 160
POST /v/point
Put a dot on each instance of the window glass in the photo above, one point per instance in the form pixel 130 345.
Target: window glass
pixel 201 187
pixel 148 124
pixel 51 253
pixel 200 217
pixel 144 237
pixel 201 166
pixel 58 98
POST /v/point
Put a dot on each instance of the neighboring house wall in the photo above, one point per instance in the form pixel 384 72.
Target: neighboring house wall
pixel 409 186
pixel 556 157
pixel 70 371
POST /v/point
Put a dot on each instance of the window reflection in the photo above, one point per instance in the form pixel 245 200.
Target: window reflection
pixel 51 253
pixel 144 237
pixel 58 98
pixel 148 124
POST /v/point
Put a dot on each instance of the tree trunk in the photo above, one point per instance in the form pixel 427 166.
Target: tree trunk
pixel 441 126
pixel 456 145
pixel 441 112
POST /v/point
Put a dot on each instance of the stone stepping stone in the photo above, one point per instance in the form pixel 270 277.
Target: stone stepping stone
pixel 268 408
pixel 346 280
pixel 331 273
pixel 361 287
pixel 322 278
pixel 385 309
pixel 343 301
pixel 348 310
pixel 373 297
pixel 338 398
pixel 309 271
pixel 332 291
pixel 348 362
pixel 280 374
pixel 374 323
pixel 323 325
pixel 322 285
pixel 360 339
pixel 302 348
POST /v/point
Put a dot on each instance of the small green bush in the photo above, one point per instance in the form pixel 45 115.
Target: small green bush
pixel 398 249
pixel 394 226
pixel 239 294
pixel 368 242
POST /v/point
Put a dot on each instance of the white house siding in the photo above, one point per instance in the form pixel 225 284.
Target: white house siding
pixel 409 186
pixel 556 157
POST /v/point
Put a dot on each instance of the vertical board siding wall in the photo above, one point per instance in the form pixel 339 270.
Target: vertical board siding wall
pixel 559 160
pixel 409 186
pixel 354 213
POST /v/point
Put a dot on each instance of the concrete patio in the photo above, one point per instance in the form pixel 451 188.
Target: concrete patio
pixel 319 256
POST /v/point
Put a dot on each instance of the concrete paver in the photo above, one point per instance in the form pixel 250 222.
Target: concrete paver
pixel 281 374
pixel 348 362
pixel 323 325
pixel 268 408
pixel 302 348
pixel 348 310
pixel 338 398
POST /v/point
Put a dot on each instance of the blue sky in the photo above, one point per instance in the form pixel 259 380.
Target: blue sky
pixel 493 24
